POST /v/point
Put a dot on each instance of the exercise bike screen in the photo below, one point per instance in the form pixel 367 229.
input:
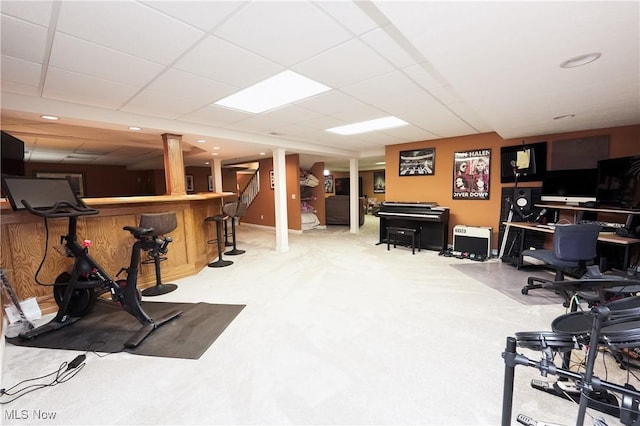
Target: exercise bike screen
pixel 38 192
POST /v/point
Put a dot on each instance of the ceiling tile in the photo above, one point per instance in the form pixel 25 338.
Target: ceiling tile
pixel 129 27
pixel 67 86
pixel 204 15
pixel 20 72
pixel 292 32
pixel 38 12
pixel 22 40
pixel 73 54
pixel 220 60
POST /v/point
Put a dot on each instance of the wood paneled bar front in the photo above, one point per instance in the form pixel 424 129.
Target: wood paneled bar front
pixel 24 238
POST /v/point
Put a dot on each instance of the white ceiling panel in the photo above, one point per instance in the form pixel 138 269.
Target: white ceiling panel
pixel 37 13
pixel 22 40
pixel 204 15
pixel 220 60
pixel 267 29
pixel 83 89
pixel 344 64
pixel 73 54
pixel 20 71
pixel 129 27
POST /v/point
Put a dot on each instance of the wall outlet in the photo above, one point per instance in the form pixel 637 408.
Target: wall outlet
pixel 261 217
pixel 293 196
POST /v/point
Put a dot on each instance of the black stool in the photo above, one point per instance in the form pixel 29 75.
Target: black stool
pixel 235 211
pixel 218 219
pixel 162 223
pixel 395 231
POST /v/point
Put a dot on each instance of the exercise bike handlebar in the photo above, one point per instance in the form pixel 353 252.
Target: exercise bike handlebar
pixel 61 209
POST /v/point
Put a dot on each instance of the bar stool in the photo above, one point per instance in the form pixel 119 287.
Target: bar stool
pixel 162 224
pixel 218 219
pixel 235 211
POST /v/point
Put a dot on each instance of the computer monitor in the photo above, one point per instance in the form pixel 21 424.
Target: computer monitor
pixel 38 192
pixel 571 187
pixel 619 182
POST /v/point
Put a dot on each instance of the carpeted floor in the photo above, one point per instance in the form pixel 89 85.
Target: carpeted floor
pixel 509 281
pixel 107 327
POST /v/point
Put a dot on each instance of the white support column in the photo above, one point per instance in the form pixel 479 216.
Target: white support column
pixel 280 199
pixel 216 174
pixel 354 202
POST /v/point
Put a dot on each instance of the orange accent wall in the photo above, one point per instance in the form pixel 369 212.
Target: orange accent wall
pixel 623 141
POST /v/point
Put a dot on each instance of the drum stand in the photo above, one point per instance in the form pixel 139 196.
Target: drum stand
pixel 587 382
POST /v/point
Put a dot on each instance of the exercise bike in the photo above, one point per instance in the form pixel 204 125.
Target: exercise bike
pixel 76 293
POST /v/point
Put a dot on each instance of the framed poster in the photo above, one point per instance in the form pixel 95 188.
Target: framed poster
pixel 419 162
pixel 189 181
pixel 328 184
pixel 471 174
pixel 378 182
pixel 272 180
pixel 76 179
pixel 210 181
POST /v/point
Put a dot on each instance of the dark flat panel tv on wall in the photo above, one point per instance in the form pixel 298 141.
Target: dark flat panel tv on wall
pixel 619 182
pixel 527 162
pixel 12 153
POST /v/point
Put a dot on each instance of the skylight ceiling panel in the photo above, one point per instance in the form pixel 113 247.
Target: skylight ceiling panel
pixel 67 86
pixel 289 32
pixel 22 40
pixel 37 12
pixel 219 60
pixel 204 15
pixel 20 76
pixel 356 60
pixel 73 54
pixel 129 27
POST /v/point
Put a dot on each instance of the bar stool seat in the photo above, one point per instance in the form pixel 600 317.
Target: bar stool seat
pixel 162 224
pixel 235 211
pixel 218 220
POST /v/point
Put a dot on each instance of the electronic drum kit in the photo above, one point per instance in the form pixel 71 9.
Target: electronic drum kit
pixel 614 325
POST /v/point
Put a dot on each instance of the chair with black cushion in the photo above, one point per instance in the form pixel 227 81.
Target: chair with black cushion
pixel 235 211
pixel 218 219
pixel 574 248
pixel 162 224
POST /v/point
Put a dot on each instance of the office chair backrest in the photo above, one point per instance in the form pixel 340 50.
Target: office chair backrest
pixel 576 242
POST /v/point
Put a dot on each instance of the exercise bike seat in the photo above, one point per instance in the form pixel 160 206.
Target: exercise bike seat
pixel 139 232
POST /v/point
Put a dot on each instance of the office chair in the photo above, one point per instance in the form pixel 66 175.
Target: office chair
pixel 574 248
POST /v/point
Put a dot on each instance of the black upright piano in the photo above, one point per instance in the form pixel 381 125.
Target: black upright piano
pixel 431 219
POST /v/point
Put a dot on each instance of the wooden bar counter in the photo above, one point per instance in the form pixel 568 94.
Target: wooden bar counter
pixel 23 240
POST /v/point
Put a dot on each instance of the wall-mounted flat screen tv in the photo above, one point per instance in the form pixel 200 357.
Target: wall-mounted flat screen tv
pixel 526 162
pixel 619 182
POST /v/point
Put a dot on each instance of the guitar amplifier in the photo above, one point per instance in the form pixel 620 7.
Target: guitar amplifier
pixel 472 240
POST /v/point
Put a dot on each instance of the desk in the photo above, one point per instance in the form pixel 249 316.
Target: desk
pixel 604 237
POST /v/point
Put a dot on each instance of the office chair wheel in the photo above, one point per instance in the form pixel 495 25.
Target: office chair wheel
pixel 82 300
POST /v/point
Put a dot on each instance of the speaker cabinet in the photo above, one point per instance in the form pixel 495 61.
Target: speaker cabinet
pixel 522 199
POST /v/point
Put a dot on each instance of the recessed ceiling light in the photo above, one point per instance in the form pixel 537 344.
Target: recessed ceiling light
pixel 369 126
pixel 580 60
pixel 49 117
pixel 201 141
pixel 380 163
pixel 263 153
pixel 564 116
pixel 216 147
pixel 326 172
pixel 281 89
pixel 214 153
pixel 134 128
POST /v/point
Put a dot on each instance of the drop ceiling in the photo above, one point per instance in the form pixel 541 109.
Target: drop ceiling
pixel 447 68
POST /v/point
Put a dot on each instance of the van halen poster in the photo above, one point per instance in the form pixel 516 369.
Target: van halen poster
pixel 471 174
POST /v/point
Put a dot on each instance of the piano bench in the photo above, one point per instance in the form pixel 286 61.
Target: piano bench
pixel 393 231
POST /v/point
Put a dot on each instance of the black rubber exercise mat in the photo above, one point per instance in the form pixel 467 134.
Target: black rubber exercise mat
pixel 107 327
